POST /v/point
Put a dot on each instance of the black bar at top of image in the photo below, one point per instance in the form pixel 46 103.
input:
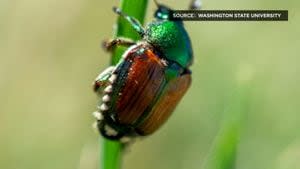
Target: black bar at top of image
pixel 229 15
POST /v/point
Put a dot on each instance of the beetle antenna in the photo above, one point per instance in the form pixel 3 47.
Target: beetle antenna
pixel 195 5
pixel 156 3
pixel 134 22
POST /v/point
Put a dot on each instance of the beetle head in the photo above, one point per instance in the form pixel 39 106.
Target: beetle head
pixel 162 12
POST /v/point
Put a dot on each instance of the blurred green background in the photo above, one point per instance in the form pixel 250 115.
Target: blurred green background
pixel 50 53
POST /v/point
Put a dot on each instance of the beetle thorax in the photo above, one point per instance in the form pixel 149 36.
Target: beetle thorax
pixel 171 39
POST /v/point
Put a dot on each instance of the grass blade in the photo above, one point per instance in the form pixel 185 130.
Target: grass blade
pixel 223 152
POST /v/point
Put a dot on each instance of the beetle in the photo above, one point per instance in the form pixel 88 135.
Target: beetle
pixel 140 93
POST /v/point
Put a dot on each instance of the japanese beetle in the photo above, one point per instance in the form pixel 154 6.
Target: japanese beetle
pixel 142 90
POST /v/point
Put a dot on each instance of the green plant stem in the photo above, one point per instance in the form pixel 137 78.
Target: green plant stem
pixel 112 150
pixel 223 152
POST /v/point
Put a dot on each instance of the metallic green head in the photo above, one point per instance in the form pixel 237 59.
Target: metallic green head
pixel 170 37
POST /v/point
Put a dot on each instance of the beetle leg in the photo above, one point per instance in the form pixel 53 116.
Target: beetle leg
pixel 102 79
pixel 99 119
pixel 108 45
pixel 108 131
pixel 133 22
pixel 105 128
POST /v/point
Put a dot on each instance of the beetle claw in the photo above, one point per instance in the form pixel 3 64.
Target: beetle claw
pixel 109 131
